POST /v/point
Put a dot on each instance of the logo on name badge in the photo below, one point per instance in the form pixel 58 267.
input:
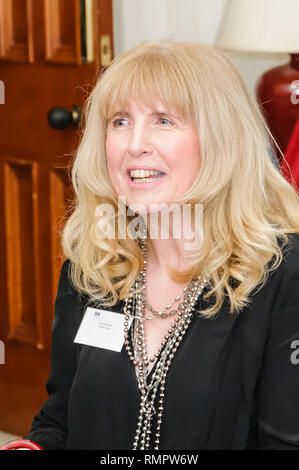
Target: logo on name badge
pixel 97 314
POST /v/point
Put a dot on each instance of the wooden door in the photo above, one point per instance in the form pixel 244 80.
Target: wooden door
pixel 50 51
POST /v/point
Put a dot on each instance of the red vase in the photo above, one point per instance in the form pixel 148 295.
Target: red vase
pixel 279 101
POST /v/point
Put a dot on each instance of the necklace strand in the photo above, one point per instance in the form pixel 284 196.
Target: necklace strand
pixel 136 303
pixel 163 313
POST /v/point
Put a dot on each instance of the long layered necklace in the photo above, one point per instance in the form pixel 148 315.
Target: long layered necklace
pixel 134 306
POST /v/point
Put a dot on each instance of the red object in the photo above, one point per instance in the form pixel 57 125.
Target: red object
pixel 277 93
pixel 292 158
pixel 21 443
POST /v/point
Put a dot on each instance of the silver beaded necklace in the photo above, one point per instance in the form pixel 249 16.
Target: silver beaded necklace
pixel 134 306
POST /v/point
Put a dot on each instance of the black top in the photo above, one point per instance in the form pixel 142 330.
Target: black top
pixel 233 383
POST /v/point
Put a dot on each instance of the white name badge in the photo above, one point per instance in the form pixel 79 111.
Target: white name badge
pixel 102 329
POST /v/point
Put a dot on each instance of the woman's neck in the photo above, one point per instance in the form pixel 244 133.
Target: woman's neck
pixel 169 250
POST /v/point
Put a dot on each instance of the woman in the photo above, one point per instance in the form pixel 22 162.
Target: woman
pixel 209 353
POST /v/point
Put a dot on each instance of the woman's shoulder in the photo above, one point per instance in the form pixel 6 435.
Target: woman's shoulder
pixel 294 245
pixel 273 310
pixel 281 286
pixel 278 386
pixel 65 281
pixel 70 304
pixel 290 251
pixel 67 290
pixel 279 277
pixel 280 292
pixel 82 299
pixel 65 285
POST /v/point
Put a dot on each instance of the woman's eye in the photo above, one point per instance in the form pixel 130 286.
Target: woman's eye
pixel 165 120
pixel 118 122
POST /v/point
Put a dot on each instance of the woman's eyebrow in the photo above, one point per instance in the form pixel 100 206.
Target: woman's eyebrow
pixel 153 113
pixel 117 113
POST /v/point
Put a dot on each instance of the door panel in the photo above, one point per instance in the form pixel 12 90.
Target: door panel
pixel 50 52
pixel 16 27
pixel 62 32
pixel 20 186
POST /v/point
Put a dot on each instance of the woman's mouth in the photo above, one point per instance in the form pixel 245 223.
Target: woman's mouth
pixel 141 179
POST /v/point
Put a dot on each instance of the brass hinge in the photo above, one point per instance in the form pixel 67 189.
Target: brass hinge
pixel 105 49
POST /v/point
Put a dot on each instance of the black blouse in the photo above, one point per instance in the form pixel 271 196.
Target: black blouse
pixel 233 382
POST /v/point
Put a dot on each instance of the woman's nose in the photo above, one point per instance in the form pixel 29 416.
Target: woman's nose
pixel 139 141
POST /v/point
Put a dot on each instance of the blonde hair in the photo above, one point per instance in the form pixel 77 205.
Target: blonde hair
pixel 248 207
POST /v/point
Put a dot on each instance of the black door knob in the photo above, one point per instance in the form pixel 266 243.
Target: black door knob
pixel 60 118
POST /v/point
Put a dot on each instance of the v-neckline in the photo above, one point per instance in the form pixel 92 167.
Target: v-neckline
pixel 151 372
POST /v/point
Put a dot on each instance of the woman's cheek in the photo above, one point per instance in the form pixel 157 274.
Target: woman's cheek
pixel 112 151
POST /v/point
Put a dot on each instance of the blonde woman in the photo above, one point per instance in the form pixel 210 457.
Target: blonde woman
pixel 207 317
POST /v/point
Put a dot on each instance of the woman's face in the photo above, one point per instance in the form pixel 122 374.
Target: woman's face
pixel 141 137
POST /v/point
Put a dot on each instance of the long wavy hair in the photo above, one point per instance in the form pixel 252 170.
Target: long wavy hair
pixel 249 209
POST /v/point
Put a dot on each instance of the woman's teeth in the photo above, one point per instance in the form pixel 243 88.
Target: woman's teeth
pixel 143 176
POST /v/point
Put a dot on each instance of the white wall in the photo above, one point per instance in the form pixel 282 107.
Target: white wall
pixel 141 20
pixel 136 21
